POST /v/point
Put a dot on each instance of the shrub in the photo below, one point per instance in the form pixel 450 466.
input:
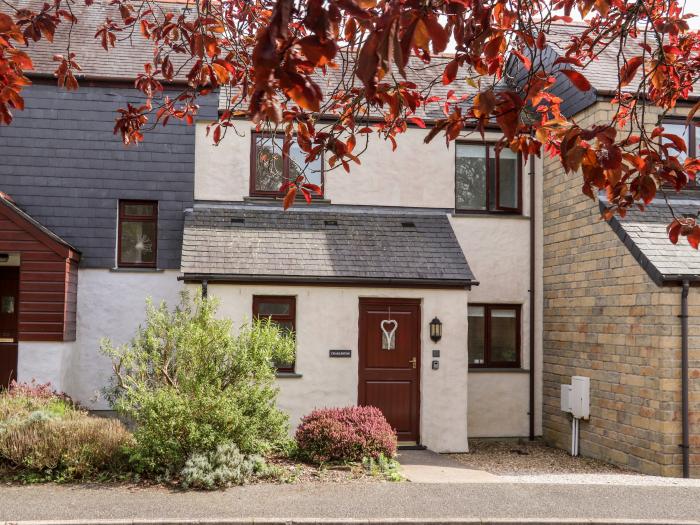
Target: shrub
pixel 345 434
pixel 222 467
pixel 45 433
pixel 189 385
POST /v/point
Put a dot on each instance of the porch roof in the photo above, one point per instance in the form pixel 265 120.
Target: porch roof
pixel 644 234
pixel 338 244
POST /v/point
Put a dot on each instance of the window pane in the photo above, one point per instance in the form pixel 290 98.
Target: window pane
pixel 269 169
pixel 7 304
pixel 682 131
pixel 477 327
pixel 504 332
pixel 470 180
pixel 297 165
pixel 273 308
pixel 139 210
pixel 137 242
pixel 508 179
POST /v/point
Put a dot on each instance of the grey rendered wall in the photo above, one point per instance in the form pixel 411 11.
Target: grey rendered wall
pixel 62 163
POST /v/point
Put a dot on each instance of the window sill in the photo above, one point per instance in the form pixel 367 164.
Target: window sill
pixel 499 370
pixel 491 214
pixel 288 375
pixel 270 199
pixel 136 270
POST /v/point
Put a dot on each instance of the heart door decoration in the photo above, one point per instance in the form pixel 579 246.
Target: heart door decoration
pixel 388 327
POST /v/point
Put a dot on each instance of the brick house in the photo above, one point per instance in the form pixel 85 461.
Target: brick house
pixel 613 295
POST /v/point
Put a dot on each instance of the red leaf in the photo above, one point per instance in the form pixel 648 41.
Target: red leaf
pixel 629 70
pixel 674 231
pixel 289 198
pixel 450 72
pixel 541 40
pixel 417 121
pixel 694 237
pixel 577 79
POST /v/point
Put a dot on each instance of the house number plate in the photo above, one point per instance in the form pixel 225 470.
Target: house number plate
pixel 339 353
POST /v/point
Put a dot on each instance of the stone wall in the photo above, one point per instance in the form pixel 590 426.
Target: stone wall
pixel 604 318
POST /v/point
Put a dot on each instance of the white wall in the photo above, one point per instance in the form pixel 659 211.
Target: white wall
pixel 110 304
pixel 327 318
pixel 422 175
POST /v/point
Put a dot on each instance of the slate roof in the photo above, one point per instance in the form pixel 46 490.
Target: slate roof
pixel 258 243
pixel 644 235
pixel 125 61
pixel 6 200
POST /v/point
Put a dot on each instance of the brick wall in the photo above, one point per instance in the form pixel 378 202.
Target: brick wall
pixel 605 318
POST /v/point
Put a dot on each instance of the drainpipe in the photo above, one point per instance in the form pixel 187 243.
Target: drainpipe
pixel 532 297
pixel 205 289
pixel 684 378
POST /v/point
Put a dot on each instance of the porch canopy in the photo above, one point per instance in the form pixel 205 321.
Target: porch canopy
pixel 48 275
pixel 319 244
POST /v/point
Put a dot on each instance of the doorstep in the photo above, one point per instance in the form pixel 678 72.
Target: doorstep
pixel 425 466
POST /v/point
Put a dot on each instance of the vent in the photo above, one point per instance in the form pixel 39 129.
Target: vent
pixel 408 224
pixel 330 223
pixel 237 221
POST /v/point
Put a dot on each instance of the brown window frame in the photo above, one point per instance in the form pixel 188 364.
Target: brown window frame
pixel 124 217
pixel 488 363
pixel 254 192
pixel 692 134
pixel 503 210
pixel 290 318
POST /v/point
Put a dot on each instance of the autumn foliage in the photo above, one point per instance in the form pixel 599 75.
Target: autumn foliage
pixel 273 60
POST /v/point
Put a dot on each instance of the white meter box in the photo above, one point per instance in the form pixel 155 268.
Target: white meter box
pixel 580 397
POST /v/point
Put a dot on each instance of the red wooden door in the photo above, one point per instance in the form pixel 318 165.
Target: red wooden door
pixel 389 375
pixel 9 301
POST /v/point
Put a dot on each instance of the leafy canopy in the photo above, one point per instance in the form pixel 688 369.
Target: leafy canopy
pixel 272 56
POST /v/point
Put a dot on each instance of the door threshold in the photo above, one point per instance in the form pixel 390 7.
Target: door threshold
pixel 410 445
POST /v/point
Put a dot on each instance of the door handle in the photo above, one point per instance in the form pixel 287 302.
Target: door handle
pixel 412 362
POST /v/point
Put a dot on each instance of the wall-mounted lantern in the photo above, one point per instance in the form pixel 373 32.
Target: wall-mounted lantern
pixel 435 330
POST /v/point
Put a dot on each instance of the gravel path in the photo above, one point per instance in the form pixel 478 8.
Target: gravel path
pixel 534 462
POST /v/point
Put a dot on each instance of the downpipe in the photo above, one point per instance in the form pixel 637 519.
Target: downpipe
pixel 684 378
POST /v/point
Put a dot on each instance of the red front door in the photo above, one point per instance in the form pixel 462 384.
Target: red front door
pixel 9 301
pixel 389 355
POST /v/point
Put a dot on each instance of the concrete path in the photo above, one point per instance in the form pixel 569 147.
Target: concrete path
pixel 438 502
pixel 424 466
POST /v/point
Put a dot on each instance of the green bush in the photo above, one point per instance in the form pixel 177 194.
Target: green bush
pixel 222 467
pixel 189 385
pixel 50 438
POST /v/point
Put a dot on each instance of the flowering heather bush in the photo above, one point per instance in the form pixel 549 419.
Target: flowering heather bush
pixel 35 390
pixel 345 434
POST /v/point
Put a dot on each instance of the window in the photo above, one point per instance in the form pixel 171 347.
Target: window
pixel 270 169
pixel 494 336
pixel 138 234
pixel 688 133
pixel 282 311
pixel 486 181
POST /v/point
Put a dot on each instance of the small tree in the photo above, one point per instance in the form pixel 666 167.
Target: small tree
pixel 189 384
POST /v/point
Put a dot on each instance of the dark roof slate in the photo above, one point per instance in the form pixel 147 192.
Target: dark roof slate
pixel 7 201
pixel 264 243
pixel 644 234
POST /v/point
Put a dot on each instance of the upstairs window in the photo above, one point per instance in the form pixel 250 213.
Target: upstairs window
pixel 494 336
pixel 137 244
pixel 270 168
pixel 282 311
pixel 689 133
pixel 486 181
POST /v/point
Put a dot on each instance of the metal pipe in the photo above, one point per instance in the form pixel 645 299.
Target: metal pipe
pixel 532 298
pixel 684 378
